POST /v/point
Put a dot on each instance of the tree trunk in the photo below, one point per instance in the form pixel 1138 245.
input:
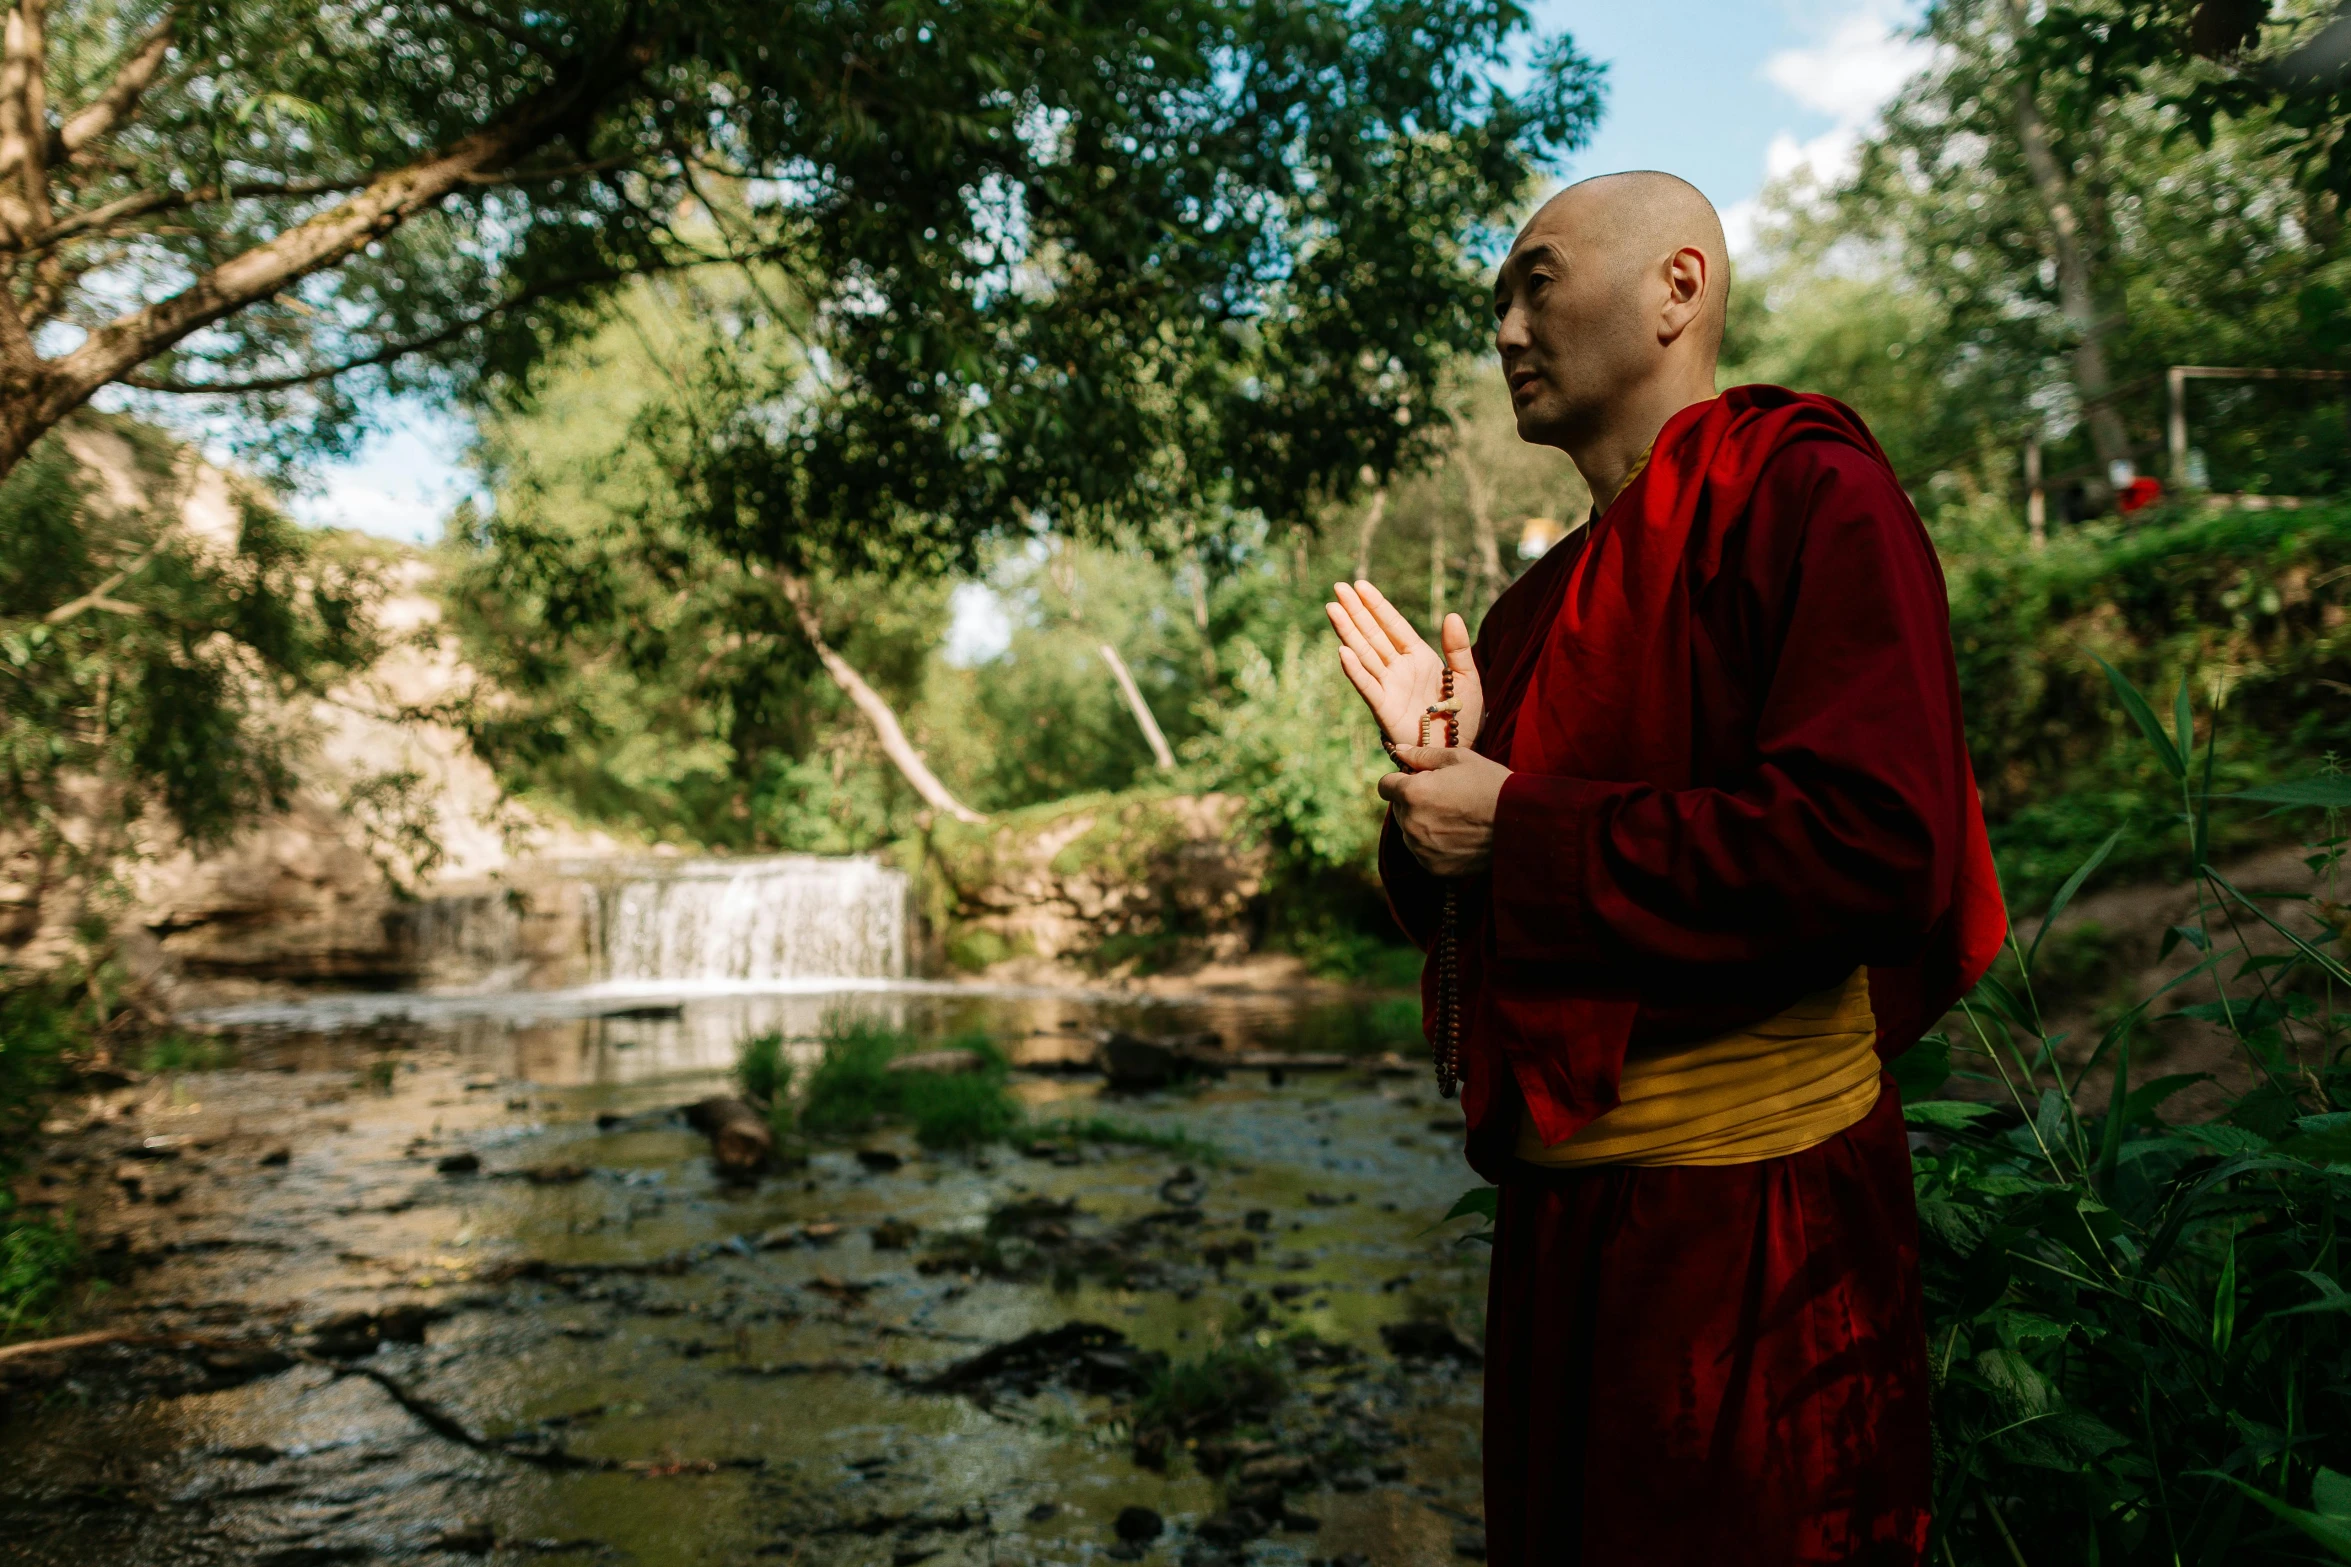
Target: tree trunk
pixel 1140 708
pixel 895 745
pixel 2077 290
pixel 1481 519
pixel 1372 517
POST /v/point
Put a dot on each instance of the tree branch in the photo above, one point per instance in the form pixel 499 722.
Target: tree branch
pixel 97 598
pixel 401 350
pixel 391 199
pixel 120 100
pixel 877 712
pixel 24 122
pixel 145 203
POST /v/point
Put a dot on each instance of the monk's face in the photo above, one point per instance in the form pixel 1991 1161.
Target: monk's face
pixel 1569 324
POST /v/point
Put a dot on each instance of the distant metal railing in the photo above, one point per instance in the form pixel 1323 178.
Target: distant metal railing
pixel 2176 429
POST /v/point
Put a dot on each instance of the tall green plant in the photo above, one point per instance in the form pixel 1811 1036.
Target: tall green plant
pixel 2137 1329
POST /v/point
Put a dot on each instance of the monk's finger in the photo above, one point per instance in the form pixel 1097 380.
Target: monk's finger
pixel 1376 648
pixel 1366 684
pixel 1351 636
pixel 1455 640
pixel 1393 785
pixel 1420 758
pixel 1393 623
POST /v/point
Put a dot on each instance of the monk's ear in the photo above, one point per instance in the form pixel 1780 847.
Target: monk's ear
pixel 1689 279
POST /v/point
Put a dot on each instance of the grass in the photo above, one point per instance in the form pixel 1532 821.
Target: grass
pixel 764 1073
pixel 178 1052
pixel 1211 1392
pixel 1102 1129
pixel 37 1257
pixel 852 1090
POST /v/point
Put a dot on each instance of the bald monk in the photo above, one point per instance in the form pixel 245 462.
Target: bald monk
pixel 1715 853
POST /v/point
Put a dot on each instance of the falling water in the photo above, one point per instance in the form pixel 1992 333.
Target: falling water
pixel 748 921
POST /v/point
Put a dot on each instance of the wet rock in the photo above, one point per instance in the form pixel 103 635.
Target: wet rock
pixel 1085 1355
pixel 822 1233
pixel 880 1160
pixel 1328 1200
pixel 1266 1501
pixel 1288 1292
pixel 848 1292
pixel 1128 1551
pixel 555 1174
pixel 651 1012
pixel 1239 1249
pixel 1069 1158
pixel 782 1238
pixel 1351 1559
pixel 1296 1522
pixel 1429 1338
pixel 939 1063
pixel 742 1144
pixel 280 1155
pixel 1138 1524
pixel 894 1234
pixel 1258 1219
pixel 157 1148
pixel 1183 1189
pixel 1388 1471
pixel 350 1335
pixel 468 1539
pixel 909 1555
pixel 236 1366
pixel 1136 1065
pixel 466 1163
pixel 1470 1543
pixel 1042 1149
pixel 1046 1512
pixel 1281 1469
pixel 1233 1526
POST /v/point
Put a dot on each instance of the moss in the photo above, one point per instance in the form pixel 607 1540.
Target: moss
pixel 1213 1392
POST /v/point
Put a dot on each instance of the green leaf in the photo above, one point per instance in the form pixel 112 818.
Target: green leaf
pixel 2333 1533
pixel 2224 1303
pixel 1951 1115
pixel 2144 716
pixel 2331 1297
pixel 1921 1071
pixel 2330 1493
pixel 2142 1102
pixel 2327 1145
pixel 2073 884
pixel 2329 791
pixel 2183 720
pixel 1484 1202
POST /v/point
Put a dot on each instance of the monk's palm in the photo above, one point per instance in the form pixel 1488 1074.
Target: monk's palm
pixel 1399 676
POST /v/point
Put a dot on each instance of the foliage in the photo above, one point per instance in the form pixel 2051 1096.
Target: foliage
pixel 1210 1392
pixel 852 1088
pixel 2137 1329
pixel 764 1073
pixel 37 1258
pixel 2245 604
pixel 141 667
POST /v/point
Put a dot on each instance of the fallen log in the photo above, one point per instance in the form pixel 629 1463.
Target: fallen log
pixel 742 1144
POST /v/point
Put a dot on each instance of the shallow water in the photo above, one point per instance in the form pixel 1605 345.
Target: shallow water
pixel 620 1371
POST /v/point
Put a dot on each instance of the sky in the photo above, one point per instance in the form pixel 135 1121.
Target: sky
pixel 1729 94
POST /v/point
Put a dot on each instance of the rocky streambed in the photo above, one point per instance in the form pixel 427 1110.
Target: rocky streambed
pixel 465 1286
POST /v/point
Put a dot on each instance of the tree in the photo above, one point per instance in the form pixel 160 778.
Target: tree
pixel 429 193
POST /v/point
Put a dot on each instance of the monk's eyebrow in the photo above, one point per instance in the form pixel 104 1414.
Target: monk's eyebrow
pixel 1522 260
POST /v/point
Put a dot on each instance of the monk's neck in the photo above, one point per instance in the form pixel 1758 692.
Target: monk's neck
pixel 1613 457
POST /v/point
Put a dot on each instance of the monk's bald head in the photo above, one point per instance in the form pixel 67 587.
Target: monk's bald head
pixel 1615 282
pixel 1633 221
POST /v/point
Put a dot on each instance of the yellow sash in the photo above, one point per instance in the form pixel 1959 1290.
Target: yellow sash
pixel 1776 1087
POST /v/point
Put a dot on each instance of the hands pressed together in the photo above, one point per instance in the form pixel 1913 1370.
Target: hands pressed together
pixel 1444 801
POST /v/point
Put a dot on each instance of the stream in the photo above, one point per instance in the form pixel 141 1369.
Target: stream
pixel 446 1279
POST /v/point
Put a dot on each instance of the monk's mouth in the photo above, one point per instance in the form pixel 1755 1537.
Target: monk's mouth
pixel 1523 384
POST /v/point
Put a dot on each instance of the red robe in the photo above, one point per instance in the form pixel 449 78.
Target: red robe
pixel 1732 718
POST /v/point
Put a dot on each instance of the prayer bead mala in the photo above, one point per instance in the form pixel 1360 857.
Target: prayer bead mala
pixel 1445 1039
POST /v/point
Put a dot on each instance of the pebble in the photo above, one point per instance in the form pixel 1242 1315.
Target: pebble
pixel 459 1163
pixel 1138 1523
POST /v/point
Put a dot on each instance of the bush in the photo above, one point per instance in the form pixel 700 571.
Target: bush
pixel 762 1070
pixel 853 1089
pixel 2138 1330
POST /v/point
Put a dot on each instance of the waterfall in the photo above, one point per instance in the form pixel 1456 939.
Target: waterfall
pixel 748 921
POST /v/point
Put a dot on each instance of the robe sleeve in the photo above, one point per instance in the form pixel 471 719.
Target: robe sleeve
pixel 1413 894
pixel 1845 834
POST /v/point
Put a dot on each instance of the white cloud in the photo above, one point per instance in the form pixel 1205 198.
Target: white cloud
pixel 1861 55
